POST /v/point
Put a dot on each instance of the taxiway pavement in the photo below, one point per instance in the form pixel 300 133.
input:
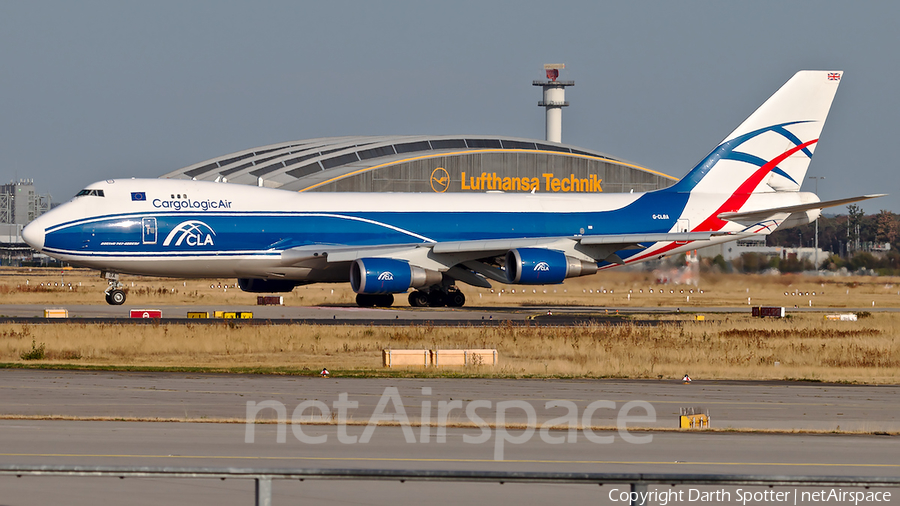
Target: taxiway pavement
pixel 205 398
pixel 776 405
pixel 225 445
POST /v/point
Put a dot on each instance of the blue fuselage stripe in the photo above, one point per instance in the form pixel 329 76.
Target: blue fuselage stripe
pixel 221 233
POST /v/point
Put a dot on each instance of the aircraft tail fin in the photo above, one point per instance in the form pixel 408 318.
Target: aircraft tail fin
pixel 771 150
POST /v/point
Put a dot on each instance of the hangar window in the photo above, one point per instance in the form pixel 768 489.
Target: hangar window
pixel 448 144
pixel 376 152
pixel 549 147
pixel 517 145
pixel 340 160
pixel 305 170
pixel 264 151
pixel 223 163
pixel 265 170
pixel 295 161
pixel 201 170
pixel 410 147
pixel 93 193
pixel 484 143
pixel 579 152
pixel 266 159
pixel 235 169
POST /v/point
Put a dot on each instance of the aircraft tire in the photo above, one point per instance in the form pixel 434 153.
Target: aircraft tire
pixel 455 299
pixel 436 299
pixel 384 300
pixel 116 298
pixel 365 300
pixel 418 299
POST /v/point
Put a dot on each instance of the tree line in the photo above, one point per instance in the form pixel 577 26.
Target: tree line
pixel 851 238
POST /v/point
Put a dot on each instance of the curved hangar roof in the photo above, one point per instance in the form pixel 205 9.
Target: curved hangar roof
pixel 426 164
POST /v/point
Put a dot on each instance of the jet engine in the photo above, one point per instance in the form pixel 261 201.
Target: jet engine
pixel 254 285
pixel 387 275
pixel 537 266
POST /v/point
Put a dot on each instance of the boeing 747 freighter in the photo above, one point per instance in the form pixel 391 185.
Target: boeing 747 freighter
pixel 383 244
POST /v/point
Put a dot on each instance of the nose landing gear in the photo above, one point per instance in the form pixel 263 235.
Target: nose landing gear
pixel 115 296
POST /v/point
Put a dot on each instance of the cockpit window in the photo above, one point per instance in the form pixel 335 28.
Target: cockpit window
pixel 95 193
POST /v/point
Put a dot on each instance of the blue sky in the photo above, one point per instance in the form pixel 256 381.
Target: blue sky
pixel 96 90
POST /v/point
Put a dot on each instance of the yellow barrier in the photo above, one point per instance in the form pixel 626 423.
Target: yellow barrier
pixel 693 418
pixel 197 314
pixel 233 315
pixel 700 421
pixel 56 313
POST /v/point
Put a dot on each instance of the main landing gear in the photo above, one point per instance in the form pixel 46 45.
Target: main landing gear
pixel 115 296
pixel 437 298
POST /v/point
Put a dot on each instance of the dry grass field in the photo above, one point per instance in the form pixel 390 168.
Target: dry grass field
pixel 727 347
pixel 723 347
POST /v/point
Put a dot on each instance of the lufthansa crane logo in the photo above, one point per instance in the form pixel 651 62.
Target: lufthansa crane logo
pixel 440 180
pixel 191 233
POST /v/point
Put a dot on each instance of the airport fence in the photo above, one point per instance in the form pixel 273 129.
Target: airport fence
pixel 263 477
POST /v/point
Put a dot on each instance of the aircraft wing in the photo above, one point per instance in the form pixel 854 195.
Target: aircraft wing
pixel 445 255
pixel 343 252
pixel 764 214
pixel 635 239
pixel 492 246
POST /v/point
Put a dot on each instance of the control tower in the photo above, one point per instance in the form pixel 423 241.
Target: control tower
pixel 554 100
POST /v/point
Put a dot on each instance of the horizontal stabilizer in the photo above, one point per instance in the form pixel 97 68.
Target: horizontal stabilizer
pixel 763 214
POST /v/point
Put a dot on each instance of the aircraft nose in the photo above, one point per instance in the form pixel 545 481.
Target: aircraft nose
pixel 33 233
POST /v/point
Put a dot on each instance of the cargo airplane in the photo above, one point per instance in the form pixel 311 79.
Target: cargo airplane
pixel 273 240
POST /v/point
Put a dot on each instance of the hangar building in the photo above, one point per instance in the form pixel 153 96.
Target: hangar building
pixel 417 163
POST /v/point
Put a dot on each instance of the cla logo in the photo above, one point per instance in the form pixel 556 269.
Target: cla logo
pixel 192 233
pixel 542 267
pixel 440 180
pixel 386 276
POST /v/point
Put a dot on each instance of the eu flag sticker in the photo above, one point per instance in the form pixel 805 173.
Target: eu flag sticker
pixel 139 196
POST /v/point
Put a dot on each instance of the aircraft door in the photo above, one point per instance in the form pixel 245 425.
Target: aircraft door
pixel 87 236
pixel 148 226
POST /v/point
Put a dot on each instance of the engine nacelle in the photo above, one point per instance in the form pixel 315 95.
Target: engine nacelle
pixel 254 285
pixel 537 266
pixel 387 275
